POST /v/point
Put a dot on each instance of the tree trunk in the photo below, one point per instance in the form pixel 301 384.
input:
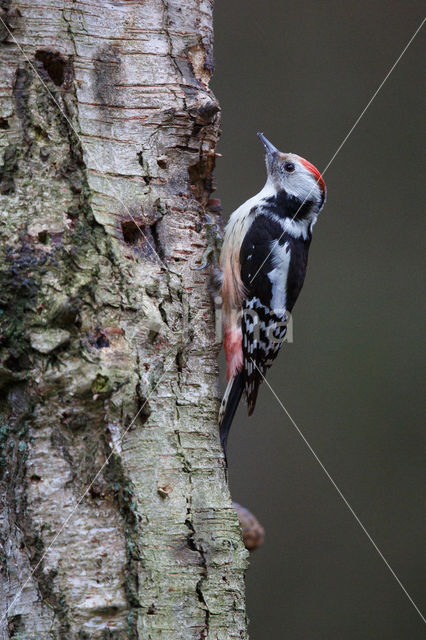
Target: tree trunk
pixel 116 520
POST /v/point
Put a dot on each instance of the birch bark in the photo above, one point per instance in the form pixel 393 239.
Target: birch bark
pixel 116 520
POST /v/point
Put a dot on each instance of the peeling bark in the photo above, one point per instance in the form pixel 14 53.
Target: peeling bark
pixel 116 519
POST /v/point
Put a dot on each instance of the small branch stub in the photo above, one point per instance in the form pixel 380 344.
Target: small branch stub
pixel 252 530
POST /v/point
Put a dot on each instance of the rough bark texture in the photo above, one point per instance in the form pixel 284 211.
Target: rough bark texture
pixel 103 191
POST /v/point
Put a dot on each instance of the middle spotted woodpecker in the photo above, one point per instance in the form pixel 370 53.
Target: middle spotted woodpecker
pixel 263 262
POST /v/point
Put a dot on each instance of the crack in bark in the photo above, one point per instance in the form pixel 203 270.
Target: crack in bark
pixel 144 410
pixel 192 542
pixel 166 20
pixel 198 547
pixel 124 494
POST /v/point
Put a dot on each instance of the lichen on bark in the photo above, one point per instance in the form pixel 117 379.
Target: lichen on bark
pixel 116 518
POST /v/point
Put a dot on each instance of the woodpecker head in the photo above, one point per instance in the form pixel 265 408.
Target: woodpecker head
pixel 295 176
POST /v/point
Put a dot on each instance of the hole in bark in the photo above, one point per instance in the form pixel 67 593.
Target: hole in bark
pixel 40 132
pixel 142 237
pixel 151 610
pixel 144 408
pixel 14 624
pixel 152 336
pixel 101 341
pixel 4 123
pixel 162 162
pixel 98 339
pixel 196 129
pixel 17 363
pixel 35 477
pixel 180 362
pixel 73 212
pixel 43 237
pixel 156 238
pixel 44 153
pixel 131 232
pixel 96 492
pixel 54 64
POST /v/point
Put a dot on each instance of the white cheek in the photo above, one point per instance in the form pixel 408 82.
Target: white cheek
pixel 301 185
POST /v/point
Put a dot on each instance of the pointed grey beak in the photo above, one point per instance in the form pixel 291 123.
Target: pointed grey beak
pixel 270 149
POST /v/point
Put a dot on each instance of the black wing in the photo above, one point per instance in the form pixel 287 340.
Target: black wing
pixel 273 267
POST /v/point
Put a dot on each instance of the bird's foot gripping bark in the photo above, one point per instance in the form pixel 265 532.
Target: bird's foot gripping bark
pixel 214 235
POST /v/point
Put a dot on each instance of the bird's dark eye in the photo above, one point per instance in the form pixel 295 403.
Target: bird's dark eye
pixel 289 167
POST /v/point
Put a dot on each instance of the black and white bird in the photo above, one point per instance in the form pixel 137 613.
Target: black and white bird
pixel 263 262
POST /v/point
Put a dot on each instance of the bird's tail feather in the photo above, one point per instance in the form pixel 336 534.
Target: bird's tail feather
pixel 229 405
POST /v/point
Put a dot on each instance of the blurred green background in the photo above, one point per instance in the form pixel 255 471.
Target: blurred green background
pixel 353 379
